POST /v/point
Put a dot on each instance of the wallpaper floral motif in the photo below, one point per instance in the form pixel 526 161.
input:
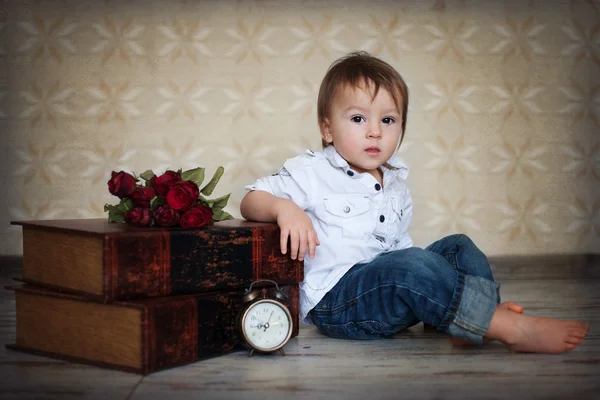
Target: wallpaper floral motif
pixel 503 135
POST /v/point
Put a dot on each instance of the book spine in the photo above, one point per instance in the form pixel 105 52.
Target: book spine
pixel 170 334
pixel 174 262
pixel 176 331
pixel 137 265
pixel 201 327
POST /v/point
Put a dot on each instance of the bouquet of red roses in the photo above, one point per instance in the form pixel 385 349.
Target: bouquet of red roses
pixel 171 199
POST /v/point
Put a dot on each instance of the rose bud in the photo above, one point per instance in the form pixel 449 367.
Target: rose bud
pixel 142 195
pixel 164 215
pixel 138 216
pixel 162 184
pixel 121 184
pixel 183 195
pixel 196 216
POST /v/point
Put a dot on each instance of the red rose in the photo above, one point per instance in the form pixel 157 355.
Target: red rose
pixel 142 195
pixel 196 216
pixel 164 215
pixel 183 195
pixel 138 216
pixel 162 184
pixel 121 184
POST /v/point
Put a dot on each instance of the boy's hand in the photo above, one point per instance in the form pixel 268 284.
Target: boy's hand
pixel 295 224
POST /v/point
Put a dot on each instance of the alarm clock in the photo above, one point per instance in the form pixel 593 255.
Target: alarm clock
pixel 264 322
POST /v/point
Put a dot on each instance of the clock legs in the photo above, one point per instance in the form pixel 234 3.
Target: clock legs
pixel 252 352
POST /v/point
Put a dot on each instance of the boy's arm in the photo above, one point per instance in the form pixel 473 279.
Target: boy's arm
pixel 258 205
pixel 261 206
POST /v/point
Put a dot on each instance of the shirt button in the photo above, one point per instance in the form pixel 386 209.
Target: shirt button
pixel 377 186
pixel 381 218
pixel 346 209
pixel 350 173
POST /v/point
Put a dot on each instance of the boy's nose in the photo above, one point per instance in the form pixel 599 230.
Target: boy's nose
pixel 374 132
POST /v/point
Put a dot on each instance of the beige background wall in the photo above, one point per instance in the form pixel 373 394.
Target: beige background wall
pixel 503 132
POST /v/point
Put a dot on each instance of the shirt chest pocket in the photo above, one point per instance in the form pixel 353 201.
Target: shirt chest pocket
pixel 350 213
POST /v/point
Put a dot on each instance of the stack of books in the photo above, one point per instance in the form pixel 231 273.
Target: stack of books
pixel 142 299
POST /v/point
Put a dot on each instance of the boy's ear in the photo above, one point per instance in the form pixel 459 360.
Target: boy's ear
pixel 326 131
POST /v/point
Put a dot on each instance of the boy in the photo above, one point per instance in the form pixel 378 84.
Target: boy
pixel 366 280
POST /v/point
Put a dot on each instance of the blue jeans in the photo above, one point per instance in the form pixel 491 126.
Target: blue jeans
pixel 448 285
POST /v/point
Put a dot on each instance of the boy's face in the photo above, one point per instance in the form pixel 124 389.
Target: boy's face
pixel 365 132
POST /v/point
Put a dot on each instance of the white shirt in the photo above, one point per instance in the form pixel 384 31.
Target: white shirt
pixel 353 216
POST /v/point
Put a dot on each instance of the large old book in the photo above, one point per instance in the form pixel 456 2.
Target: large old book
pixel 140 336
pixel 113 261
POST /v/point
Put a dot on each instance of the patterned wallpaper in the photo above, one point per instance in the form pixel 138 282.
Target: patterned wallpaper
pixel 502 140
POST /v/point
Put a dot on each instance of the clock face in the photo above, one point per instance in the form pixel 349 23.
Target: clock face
pixel 267 325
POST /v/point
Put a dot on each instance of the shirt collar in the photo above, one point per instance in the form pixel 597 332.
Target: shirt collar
pixel 338 161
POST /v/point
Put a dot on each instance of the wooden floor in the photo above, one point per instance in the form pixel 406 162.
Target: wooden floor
pixel 414 364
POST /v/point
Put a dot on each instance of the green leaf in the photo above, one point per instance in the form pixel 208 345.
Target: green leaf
pixel 210 186
pixel 219 203
pixel 202 200
pixel 155 202
pixel 196 175
pixel 125 205
pixel 147 175
pixel 220 215
pixel 115 217
pixel 116 213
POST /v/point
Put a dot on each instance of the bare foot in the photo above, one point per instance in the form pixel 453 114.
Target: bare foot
pixel 509 305
pixel 532 334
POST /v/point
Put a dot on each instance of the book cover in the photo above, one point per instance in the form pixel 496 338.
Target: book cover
pixel 111 261
pixel 140 336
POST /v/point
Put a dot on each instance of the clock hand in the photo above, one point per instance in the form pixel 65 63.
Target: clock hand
pixel 267 324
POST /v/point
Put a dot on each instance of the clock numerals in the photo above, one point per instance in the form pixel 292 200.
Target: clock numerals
pixel 267 325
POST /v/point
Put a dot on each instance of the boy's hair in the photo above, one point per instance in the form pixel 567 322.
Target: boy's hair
pixel 354 69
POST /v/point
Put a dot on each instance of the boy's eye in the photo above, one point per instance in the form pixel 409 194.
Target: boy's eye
pixel 357 119
pixel 387 120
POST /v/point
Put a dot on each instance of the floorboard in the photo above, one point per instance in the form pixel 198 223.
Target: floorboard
pixel 415 364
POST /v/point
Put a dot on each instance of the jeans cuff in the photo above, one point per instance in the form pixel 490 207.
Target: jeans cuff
pixel 478 303
pixel 454 302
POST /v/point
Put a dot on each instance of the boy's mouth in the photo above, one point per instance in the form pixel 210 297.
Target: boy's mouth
pixel 372 150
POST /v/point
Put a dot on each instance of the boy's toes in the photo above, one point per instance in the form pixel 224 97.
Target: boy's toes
pixel 584 328
pixel 577 333
pixel 573 340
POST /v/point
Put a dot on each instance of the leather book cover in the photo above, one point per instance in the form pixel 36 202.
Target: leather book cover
pixel 110 261
pixel 139 336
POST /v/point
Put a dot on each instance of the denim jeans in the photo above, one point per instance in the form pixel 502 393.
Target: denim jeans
pixel 448 284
